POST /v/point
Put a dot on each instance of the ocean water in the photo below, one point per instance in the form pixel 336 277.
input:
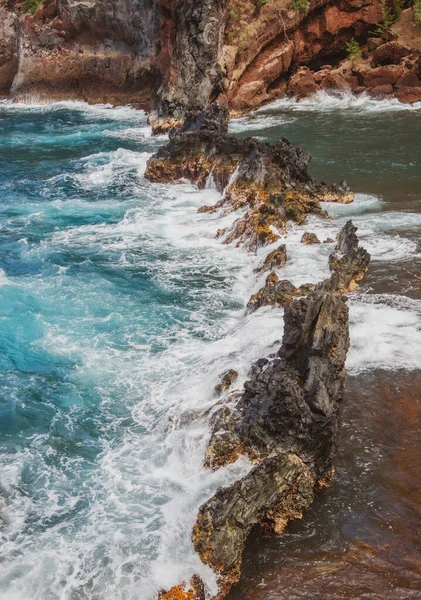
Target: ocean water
pixel 118 311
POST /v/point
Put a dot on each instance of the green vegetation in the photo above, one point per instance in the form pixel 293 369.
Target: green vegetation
pixel 31 6
pixel 299 5
pixel 354 50
pixel 416 8
pixel 391 11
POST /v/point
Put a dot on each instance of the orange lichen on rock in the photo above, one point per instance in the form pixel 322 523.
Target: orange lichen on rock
pixel 193 591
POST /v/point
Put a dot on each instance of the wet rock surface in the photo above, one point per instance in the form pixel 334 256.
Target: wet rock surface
pixel 286 421
pixel 271 181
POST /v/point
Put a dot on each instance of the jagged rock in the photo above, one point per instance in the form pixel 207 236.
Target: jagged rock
pixel 274 260
pixel 274 293
pixel 310 238
pixel 348 262
pixel 226 381
pixel 328 241
pixel 272 180
pixel 195 590
pixel 287 422
pixel 390 53
pixel 214 118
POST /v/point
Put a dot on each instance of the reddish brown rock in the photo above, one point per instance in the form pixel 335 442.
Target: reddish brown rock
pixel 373 43
pixel 383 76
pixel 409 80
pixel 8 51
pixel 320 75
pixel 409 95
pixel 390 53
pixel 302 84
pixel 380 91
pixel 334 81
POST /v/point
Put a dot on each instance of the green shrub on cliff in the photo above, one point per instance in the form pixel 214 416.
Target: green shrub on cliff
pixel 353 49
pixel 416 17
pixel 299 5
pixel 391 11
pixel 31 6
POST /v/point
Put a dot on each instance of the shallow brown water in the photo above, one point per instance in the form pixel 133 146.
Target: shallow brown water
pixel 361 538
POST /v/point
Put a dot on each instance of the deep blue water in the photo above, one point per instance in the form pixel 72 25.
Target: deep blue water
pixel 118 310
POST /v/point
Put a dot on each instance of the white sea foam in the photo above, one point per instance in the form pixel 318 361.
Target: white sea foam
pixel 120 113
pixel 385 333
pixel 324 101
pixel 258 123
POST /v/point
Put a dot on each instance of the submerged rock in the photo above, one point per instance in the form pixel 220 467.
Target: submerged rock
pixel 310 238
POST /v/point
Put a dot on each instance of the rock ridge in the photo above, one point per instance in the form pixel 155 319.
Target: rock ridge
pixel 286 418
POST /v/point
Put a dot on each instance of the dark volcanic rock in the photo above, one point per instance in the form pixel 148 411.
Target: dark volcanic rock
pixel 274 260
pixel 287 421
pixel 274 293
pixel 271 180
pixel 348 262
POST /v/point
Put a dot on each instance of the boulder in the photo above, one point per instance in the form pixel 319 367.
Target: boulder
pixel 373 43
pixel 409 80
pixel 381 91
pixel 390 53
pixel 409 95
pixel 383 76
pixel 310 238
pixel 334 81
pixel 302 84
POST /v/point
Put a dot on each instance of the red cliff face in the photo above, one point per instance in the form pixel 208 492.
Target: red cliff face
pixel 267 41
pixel 175 56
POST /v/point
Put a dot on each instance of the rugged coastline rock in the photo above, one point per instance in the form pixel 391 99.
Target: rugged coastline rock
pixel 286 418
pixel 286 421
pixel 270 181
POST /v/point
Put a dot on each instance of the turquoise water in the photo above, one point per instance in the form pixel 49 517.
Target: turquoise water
pixel 118 311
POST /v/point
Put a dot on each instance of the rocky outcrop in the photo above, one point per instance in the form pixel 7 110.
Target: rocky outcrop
pixel 271 181
pixel 348 264
pixel 94 51
pixel 8 51
pixel 286 421
pixel 286 418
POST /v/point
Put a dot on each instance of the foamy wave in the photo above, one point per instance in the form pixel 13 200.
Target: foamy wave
pixel 35 104
pixel 254 123
pixel 323 101
pixel 385 333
